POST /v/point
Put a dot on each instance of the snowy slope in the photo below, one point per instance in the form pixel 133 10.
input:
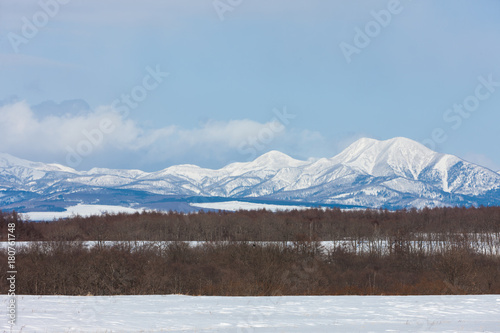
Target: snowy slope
pixel 21 172
pixel 177 313
pixel 395 173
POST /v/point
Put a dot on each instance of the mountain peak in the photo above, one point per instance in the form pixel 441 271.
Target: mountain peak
pixel 276 158
pixel 400 142
pixel 7 160
pixel 408 144
pixel 365 145
pixel 273 155
pixel 272 160
pixel 399 156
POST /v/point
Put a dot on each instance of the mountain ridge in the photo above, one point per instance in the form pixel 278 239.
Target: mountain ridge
pixel 395 173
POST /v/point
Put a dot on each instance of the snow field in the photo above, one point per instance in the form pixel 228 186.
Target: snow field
pixel 81 210
pixel 88 210
pixel 237 205
pixel 177 313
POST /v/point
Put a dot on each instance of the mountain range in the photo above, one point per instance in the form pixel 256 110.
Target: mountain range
pixel 393 174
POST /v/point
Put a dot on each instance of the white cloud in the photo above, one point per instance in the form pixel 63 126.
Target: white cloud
pixel 103 137
pixel 23 133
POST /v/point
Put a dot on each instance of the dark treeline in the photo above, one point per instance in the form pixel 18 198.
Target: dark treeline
pixel 246 269
pixel 313 224
pixel 231 260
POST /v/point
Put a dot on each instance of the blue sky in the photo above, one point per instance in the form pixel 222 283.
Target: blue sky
pixel 237 78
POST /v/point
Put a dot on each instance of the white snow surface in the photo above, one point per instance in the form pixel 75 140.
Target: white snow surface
pixel 81 210
pixel 237 205
pixel 177 313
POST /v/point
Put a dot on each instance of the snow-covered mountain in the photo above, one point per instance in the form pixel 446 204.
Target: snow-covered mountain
pixel 395 173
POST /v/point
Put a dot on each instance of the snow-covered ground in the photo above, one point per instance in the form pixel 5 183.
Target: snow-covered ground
pixel 237 205
pixel 82 210
pixel 88 210
pixel 175 313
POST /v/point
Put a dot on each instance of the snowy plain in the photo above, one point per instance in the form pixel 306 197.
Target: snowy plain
pixel 88 210
pixel 81 210
pixel 177 313
pixel 241 205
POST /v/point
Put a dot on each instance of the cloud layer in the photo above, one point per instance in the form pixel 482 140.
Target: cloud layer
pixel 103 137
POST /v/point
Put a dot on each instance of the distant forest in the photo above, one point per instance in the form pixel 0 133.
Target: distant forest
pixel 260 225
pixel 299 252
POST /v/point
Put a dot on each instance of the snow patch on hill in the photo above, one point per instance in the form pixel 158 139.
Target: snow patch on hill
pixel 240 205
pixel 81 210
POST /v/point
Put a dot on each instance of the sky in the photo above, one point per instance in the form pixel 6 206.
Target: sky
pixel 149 84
